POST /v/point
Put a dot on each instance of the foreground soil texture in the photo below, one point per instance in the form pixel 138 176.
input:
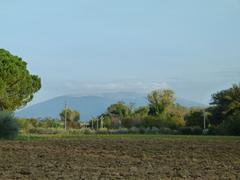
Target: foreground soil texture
pixel 120 159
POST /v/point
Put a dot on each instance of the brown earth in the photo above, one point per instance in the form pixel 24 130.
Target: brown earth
pixel 120 159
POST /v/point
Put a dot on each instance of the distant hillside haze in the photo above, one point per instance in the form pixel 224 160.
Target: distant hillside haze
pixel 89 106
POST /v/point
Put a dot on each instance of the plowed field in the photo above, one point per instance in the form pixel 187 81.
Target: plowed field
pixel 120 159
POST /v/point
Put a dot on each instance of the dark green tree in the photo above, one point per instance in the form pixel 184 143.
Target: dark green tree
pixel 195 117
pixel 232 124
pixel 17 85
pixel 224 104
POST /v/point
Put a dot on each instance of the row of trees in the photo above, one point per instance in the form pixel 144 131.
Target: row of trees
pixel 162 111
pixel 17 87
pixel 222 117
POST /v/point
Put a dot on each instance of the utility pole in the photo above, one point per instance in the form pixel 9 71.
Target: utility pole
pixel 102 123
pixel 65 115
pixel 120 124
pixel 204 119
pixel 97 123
pixel 92 123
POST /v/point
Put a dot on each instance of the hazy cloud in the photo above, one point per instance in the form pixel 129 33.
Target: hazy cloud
pixel 116 86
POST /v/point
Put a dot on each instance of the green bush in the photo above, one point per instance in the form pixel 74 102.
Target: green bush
pixel 154 130
pixel 232 124
pixel 50 123
pixel 134 130
pixel 87 131
pixel 205 132
pixel 147 130
pixel 45 131
pixel 190 130
pixel 217 130
pixel 102 131
pixel 8 126
pixel 150 121
pixel 119 131
pixel 197 130
pixel 211 130
pixel 142 130
pixel 80 131
pixel 167 131
pixel 61 131
pixel 186 130
pixel 24 125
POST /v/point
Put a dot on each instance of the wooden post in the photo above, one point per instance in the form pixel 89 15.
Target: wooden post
pixel 204 120
pixel 65 116
pixel 92 123
pixel 97 123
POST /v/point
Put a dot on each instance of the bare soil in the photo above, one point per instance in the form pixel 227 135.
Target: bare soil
pixel 120 159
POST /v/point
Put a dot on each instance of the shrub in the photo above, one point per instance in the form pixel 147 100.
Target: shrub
pixel 186 130
pixel 80 131
pixel 142 130
pixel 217 130
pixel 134 130
pixel 119 131
pixel 175 132
pixel 24 125
pixel 150 121
pixel 211 130
pixel 49 123
pixel 190 130
pixel 102 131
pixel 166 131
pixel 123 131
pixel 154 130
pixel 45 131
pixel 8 126
pixel 205 132
pixel 232 124
pixel 147 130
pixel 197 130
pixel 87 131
pixel 132 122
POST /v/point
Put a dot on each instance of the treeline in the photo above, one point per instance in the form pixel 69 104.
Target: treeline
pixel 222 117
pixel 69 119
pixel 162 115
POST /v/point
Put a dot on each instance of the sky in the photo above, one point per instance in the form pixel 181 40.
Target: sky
pixel 92 46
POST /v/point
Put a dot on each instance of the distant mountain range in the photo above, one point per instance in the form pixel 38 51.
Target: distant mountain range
pixel 89 106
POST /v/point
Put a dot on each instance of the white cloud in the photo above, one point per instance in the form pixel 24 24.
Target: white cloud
pixel 62 87
pixel 116 86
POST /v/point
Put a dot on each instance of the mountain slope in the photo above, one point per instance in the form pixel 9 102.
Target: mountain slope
pixel 88 106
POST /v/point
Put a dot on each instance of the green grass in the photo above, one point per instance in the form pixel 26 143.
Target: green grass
pixel 37 137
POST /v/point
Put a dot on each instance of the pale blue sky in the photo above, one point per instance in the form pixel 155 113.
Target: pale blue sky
pixel 92 46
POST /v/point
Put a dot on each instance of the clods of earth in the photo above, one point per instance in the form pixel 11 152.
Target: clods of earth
pixel 120 159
